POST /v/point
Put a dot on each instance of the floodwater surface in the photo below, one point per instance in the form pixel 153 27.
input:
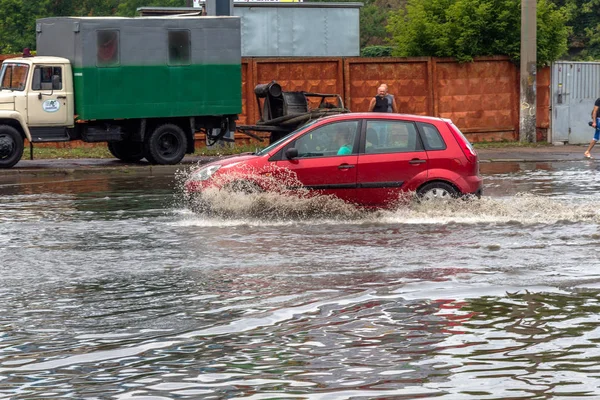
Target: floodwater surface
pixel 111 288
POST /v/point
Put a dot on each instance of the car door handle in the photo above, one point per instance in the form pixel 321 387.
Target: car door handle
pixel 346 166
pixel 61 97
pixel 417 161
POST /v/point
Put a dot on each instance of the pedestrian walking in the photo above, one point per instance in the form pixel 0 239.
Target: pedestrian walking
pixel 596 126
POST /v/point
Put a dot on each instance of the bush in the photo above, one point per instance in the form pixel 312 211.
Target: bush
pixel 377 51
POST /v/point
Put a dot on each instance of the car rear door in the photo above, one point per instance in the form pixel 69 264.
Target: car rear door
pixel 391 160
pixel 318 165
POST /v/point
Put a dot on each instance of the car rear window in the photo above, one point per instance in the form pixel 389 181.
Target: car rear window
pixel 432 139
pixel 391 137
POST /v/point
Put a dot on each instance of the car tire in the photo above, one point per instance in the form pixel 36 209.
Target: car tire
pixel 127 151
pixel 243 187
pixel 11 146
pixel 166 145
pixel 437 191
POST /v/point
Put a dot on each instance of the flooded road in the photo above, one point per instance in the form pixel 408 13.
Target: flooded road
pixel 110 288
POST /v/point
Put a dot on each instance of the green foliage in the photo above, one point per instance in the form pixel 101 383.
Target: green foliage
pixel 468 28
pixel 17 30
pixel 584 19
pixel 128 8
pixel 552 32
pixel 377 51
pixel 373 20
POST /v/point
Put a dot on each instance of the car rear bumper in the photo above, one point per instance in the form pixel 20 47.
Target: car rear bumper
pixel 473 185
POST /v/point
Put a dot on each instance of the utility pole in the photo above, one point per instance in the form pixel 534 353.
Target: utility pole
pixel 188 3
pixel 527 120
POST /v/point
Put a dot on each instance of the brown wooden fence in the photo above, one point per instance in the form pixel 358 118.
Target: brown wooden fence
pixel 481 97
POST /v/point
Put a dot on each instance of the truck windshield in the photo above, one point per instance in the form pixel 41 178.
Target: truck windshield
pixel 13 76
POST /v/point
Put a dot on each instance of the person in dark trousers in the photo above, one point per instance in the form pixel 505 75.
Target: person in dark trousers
pixel 596 126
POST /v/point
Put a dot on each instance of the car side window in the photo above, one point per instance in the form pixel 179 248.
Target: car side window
pixel 334 139
pixel 391 137
pixel 432 139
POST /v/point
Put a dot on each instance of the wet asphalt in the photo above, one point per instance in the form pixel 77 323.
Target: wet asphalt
pixel 505 154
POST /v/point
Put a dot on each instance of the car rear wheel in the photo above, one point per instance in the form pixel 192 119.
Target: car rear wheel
pixel 437 191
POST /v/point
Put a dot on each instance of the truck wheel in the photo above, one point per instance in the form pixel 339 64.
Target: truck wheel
pixel 127 151
pixel 11 146
pixel 165 145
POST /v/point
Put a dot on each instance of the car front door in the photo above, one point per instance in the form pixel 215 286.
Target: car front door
pixel 392 160
pixel 327 157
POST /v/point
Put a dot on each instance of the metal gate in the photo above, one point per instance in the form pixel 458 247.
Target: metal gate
pixel 575 88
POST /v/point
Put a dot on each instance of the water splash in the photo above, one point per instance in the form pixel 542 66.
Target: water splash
pixel 287 201
pixel 275 208
pixel 522 208
pixel 271 193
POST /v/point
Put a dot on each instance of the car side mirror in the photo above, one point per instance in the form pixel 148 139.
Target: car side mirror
pixel 290 153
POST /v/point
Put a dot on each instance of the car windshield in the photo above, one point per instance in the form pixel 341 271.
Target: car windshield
pixel 270 147
pixel 13 76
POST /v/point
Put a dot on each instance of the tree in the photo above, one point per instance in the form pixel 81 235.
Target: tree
pixel 584 18
pixel 18 28
pixel 467 28
pixel 128 8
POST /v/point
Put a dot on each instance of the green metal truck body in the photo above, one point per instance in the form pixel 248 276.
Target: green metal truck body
pixel 148 67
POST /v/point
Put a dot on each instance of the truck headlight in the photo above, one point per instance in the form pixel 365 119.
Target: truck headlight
pixel 203 174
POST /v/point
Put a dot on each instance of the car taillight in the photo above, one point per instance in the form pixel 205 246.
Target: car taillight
pixel 464 143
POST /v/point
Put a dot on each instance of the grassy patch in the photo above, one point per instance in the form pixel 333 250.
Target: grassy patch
pixel 99 151
pixel 501 145
pixel 43 153
pixel 229 150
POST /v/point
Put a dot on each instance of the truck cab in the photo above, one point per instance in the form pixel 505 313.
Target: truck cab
pixel 36 102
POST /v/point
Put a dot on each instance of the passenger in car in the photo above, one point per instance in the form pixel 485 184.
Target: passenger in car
pixel 344 140
pixel 398 138
pixel 372 140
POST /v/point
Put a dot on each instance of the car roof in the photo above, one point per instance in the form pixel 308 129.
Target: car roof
pixel 379 116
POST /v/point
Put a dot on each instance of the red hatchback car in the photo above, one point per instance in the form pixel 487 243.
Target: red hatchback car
pixel 364 158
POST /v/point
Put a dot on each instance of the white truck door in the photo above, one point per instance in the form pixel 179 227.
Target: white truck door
pixel 47 99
